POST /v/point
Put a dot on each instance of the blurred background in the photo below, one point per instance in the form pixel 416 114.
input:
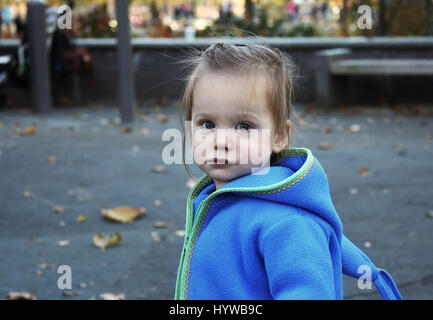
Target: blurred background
pixel 87 89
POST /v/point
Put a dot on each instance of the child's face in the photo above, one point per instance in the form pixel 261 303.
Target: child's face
pixel 233 126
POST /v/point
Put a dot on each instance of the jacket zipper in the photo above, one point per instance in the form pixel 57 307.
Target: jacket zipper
pixel 190 231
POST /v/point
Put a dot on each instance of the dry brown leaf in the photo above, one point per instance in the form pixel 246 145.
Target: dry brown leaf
pixel 158 169
pixel 429 135
pixel 162 224
pixel 363 170
pixel 326 130
pixel 58 209
pixel 163 118
pixel 325 146
pixel 156 237
pixel 123 214
pixel 112 296
pixel 71 293
pixel 103 242
pixel 21 296
pixel 126 130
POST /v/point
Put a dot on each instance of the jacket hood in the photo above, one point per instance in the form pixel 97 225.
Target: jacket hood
pixel 297 179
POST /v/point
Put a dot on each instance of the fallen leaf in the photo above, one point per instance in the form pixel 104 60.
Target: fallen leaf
pixel 126 130
pixel 21 296
pixel 367 244
pixel 353 191
pixel 326 130
pixel 180 233
pixel 156 237
pixel 46 265
pixel 354 128
pixel 2 123
pixel 162 224
pixel 58 209
pixel 81 218
pixel 363 171
pixel 112 296
pixel 399 150
pixel 28 131
pixel 27 194
pixel 429 135
pixel 52 159
pixel 63 243
pixel 163 118
pixel 429 214
pixel 325 146
pixel 115 121
pixel 71 293
pixel 103 242
pixel 158 169
pixel 123 214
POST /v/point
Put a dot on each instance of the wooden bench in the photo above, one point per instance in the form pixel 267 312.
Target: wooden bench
pixel 337 62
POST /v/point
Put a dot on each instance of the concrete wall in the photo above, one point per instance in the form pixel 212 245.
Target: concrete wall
pixel 158 75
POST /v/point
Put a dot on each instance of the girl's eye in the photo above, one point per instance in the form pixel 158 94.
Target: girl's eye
pixel 243 126
pixel 207 125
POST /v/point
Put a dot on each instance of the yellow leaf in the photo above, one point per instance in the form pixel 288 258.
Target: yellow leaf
pixel 52 159
pixel 123 214
pixel 21 296
pixel 29 130
pixel 103 242
pixel 81 218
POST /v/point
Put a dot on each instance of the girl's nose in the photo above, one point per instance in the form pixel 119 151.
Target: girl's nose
pixel 223 140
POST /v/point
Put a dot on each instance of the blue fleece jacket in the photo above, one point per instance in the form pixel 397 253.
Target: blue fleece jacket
pixel 271 236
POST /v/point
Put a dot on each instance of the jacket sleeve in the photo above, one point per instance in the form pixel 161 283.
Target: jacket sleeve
pixel 298 260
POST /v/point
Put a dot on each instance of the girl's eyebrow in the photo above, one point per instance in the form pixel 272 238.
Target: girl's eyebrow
pixel 238 115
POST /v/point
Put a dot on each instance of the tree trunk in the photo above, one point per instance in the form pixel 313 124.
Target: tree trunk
pixel 249 13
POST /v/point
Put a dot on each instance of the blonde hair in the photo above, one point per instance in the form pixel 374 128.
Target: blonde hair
pixel 246 60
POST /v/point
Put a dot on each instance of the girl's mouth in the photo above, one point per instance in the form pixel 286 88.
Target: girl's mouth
pixel 220 162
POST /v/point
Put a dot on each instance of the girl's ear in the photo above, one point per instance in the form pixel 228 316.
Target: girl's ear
pixel 282 141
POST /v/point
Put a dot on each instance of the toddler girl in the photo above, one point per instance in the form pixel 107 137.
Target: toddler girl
pixel 260 223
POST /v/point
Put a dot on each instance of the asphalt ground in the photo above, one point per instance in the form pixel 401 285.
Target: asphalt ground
pixel 379 163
